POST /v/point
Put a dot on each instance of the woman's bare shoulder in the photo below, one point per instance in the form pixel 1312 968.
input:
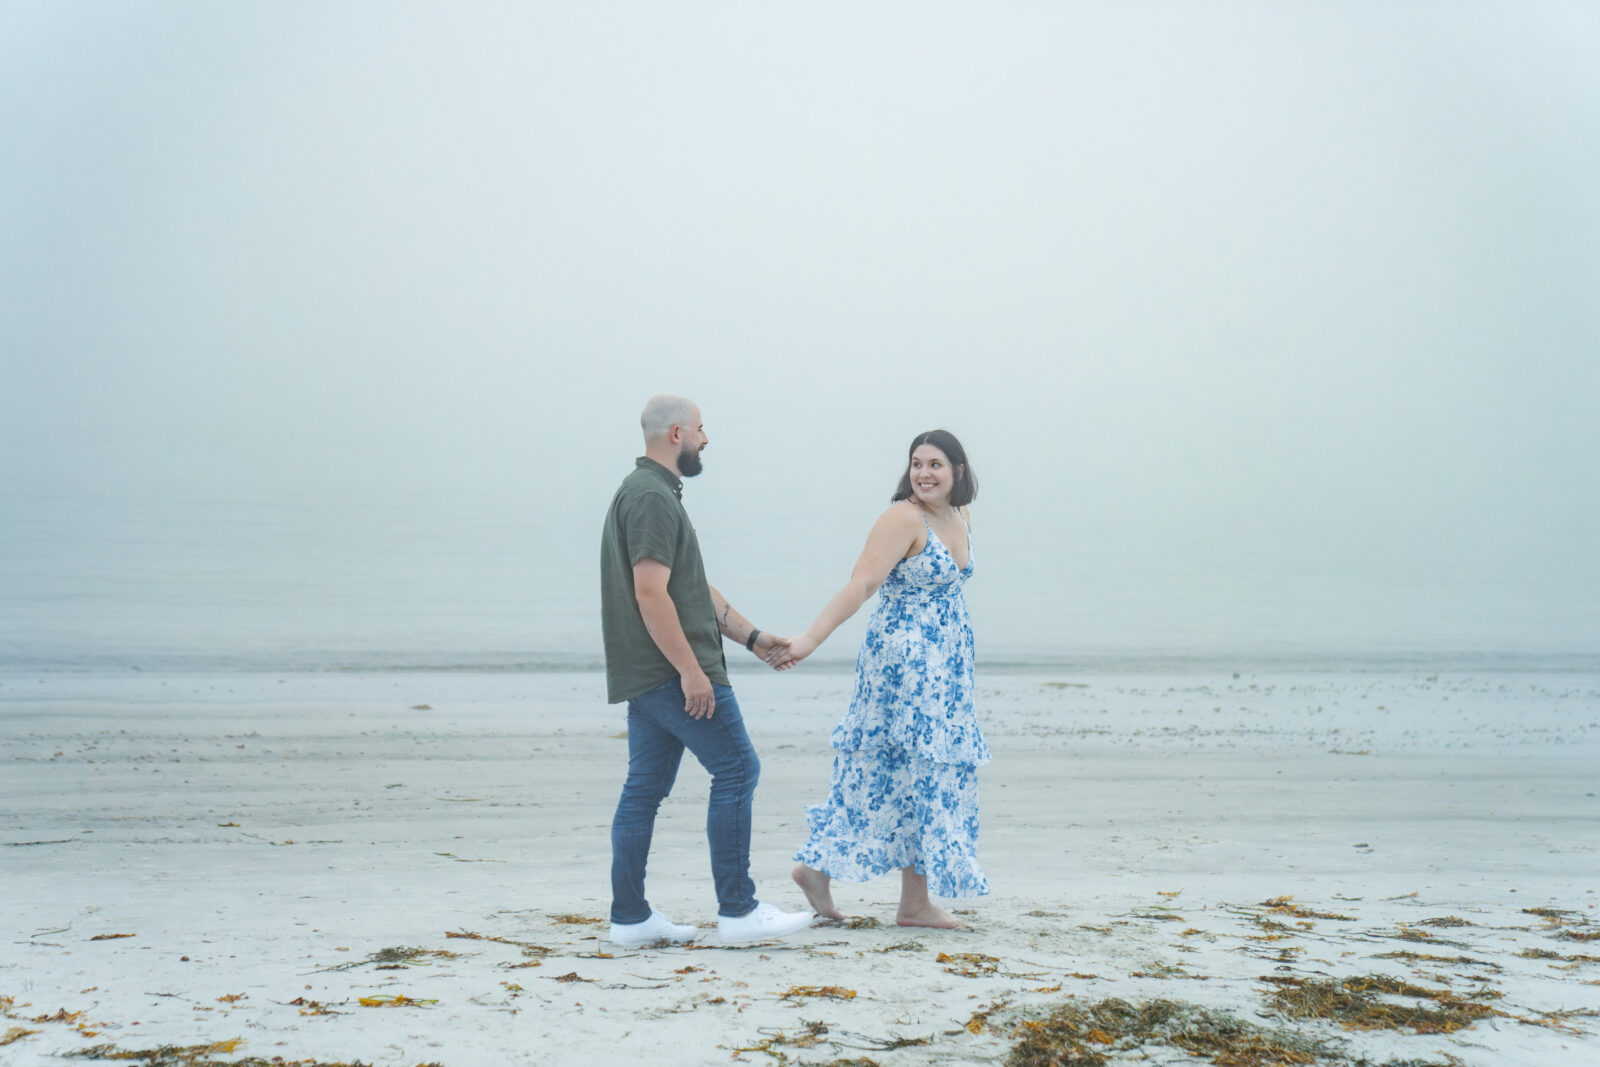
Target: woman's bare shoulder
pixel 902 513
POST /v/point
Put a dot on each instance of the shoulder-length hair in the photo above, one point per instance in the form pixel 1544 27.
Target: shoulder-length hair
pixel 966 479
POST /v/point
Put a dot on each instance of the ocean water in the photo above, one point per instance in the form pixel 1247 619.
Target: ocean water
pixel 490 579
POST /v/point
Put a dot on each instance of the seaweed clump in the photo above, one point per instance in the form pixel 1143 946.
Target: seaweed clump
pixel 201 1056
pixel 1359 1003
pixel 1079 1035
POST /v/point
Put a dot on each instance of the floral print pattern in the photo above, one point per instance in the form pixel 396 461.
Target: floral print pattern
pixel 904 788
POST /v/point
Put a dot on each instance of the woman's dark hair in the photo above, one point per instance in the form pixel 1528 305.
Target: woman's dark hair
pixel 966 480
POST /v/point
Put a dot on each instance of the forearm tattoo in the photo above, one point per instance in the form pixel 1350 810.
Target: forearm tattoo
pixel 726 608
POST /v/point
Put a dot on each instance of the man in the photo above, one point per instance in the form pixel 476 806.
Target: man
pixel 664 624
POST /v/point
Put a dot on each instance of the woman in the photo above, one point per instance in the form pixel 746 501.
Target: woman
pixel 904 789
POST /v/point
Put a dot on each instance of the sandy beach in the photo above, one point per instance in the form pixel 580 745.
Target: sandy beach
pixel 411 868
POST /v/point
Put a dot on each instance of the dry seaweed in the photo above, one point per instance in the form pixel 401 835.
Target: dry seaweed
pixel 569 919
pixel 1283 906
pixel 390 959
pixel 165 1056
pixel 1546 954
pixel 393 1000
pixel 1358 1003
pixel 528 948
pixel 1424 957
pixel 969 964
pixel 203 1056
pixel 826 992
pixel 809 1037
pixel 1077 1035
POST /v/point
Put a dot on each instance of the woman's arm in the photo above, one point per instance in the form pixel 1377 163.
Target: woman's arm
pixel 890 540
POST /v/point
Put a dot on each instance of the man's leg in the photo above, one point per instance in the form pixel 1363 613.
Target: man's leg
pixel 724 749
pixel 653 758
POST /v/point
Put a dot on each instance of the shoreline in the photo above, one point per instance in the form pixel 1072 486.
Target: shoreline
pixel 1002 663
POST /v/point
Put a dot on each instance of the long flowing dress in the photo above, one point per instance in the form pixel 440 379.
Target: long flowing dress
pixel 904 788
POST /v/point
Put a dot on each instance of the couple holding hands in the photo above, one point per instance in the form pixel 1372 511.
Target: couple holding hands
pixel 904 790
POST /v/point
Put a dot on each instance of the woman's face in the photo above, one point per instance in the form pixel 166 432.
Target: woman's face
pixel 932 477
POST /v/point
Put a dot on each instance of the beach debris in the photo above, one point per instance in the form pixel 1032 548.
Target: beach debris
pixel 421 707
pixel 1078 1035
pixel 1411 933
pixel 969 964
pixel 903 946
pixel 1377 1002
pixel 810 1036
pixel 392 959
pixel 393 1000
pixel 165 1056
pixel 570 976
pixel 1286 906
pixel 111 937
pixel 979 1022
pixel 16 1033
pixel 204 1056
pixel 1546 954
pixel 529 948
pixel 1424 957
pixel 312 1007
pixel 1160 916
pixel 568 919
pixel 825 992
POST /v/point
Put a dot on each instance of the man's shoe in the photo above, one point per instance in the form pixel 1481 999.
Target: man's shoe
pixel 763 923
pixel 656 928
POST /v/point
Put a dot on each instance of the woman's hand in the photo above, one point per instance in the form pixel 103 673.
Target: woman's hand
pixel 791 652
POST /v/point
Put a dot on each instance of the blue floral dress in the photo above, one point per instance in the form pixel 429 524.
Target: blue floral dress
pixel 904 789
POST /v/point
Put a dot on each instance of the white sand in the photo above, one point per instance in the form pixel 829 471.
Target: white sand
pixel 262 838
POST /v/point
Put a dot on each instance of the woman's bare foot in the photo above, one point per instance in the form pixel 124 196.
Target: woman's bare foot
pixel 929 915
pixel 815 885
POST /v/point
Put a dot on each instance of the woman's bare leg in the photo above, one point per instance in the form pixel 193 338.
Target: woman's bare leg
pixel 915 907
pixel 815 885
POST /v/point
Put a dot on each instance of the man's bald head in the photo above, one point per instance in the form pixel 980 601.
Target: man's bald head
pixel 664 411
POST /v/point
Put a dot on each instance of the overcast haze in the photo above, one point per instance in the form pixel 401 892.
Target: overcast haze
pixel 1287 308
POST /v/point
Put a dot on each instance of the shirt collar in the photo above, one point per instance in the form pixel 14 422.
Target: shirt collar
pixel 645 463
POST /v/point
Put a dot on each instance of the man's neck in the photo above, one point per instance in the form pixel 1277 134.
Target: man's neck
pixel 667 457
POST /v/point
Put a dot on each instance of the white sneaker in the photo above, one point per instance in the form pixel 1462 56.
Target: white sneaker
pixel 759 925
pixel 656 928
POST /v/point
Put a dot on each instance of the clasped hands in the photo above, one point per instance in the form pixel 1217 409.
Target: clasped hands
pixel 782 653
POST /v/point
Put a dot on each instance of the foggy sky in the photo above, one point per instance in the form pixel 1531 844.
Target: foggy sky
pixel 1315 283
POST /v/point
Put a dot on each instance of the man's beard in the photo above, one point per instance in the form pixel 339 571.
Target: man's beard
pixel 689 462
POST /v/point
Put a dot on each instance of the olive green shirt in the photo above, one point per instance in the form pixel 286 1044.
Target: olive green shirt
pixel 647 521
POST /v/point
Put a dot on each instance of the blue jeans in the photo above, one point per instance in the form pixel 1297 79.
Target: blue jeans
pixel 658 732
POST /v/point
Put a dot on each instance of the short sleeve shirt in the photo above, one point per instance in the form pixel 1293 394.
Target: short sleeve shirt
pixel 647 521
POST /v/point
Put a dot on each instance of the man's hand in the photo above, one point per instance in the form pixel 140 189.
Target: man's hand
pixel 790 651
pixel 770 646
pixel 699 700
